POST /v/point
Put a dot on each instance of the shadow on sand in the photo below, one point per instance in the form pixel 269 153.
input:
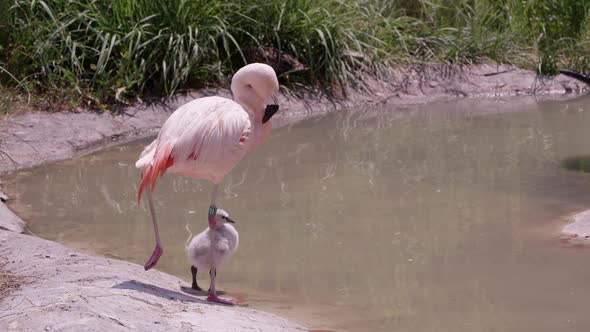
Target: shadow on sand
pixel 159 291
pixel 170 294
pixel 195 292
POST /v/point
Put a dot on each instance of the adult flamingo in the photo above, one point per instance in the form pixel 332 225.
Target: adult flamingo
pixel 207 137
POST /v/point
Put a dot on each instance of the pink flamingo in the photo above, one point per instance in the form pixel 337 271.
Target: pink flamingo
pixel 207 137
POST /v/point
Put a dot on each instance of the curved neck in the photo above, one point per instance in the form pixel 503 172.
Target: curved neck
pixel 252 104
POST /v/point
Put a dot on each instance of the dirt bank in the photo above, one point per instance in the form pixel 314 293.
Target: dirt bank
pixel 68 290
pixel 32 139
pixel 71 291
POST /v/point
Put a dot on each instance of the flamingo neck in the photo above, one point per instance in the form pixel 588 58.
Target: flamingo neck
pixel 254 110
pixel 260 131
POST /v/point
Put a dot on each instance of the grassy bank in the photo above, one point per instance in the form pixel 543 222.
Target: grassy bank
pixel 103 51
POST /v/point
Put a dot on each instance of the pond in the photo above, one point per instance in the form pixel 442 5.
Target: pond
pixel 440 217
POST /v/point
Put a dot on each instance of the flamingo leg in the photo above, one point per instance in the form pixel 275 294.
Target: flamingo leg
pixel 210 271
pixel 213 272
pixel 212 212
pixel 194 273
pixel 158 251
pixel 213 293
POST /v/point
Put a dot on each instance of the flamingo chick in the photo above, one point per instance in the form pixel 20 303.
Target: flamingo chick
pixel 207 137
pixel 208 249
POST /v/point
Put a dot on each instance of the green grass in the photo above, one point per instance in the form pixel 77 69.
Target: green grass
pixel 116 51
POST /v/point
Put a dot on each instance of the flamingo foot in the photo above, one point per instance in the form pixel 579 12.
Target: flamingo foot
pixel 158 251
pixel 216 299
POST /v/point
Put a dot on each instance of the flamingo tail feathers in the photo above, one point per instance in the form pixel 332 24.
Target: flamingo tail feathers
pixel 162 161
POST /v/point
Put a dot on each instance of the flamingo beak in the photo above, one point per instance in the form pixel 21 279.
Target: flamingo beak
pixel 270 110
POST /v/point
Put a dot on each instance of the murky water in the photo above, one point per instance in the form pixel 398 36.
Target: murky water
pixel 434 218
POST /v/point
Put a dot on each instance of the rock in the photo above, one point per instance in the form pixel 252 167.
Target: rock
pixel 579 226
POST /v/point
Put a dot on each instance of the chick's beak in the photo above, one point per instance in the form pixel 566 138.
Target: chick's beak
pixel 228 219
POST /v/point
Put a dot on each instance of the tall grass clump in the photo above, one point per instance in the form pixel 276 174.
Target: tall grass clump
pixel 103 48
pixel 104 51
pixel 559 31
pixel 546 33
pixel 335 39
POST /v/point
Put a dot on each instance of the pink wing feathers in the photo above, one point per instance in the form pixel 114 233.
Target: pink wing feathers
pixel 203 132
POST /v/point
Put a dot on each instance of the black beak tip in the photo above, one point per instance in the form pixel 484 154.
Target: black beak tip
pixel 269 112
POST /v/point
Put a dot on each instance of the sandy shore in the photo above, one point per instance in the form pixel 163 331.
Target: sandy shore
pixel 62 289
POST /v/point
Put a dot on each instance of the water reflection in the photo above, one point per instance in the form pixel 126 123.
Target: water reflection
pixel 435 218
